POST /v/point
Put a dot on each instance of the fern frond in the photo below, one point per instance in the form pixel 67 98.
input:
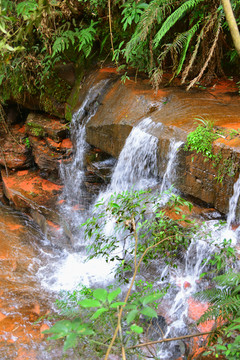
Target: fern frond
pixel 189 34
pixel 173 18
pixel 228 279
pixel 155 12
pixel 62 42
pixel 86 38
pixel 224 301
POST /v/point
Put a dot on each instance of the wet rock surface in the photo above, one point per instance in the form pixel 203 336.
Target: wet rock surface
pixel 174 110
pixel 22 302
pixel 44 125
pixel 14 153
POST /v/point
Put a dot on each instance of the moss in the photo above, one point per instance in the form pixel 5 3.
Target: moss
pixel 36 129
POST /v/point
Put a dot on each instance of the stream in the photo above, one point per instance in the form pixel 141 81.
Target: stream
pixel 33 272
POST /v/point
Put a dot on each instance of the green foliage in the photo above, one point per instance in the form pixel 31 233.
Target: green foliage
pixel 131 12
pixel 125 207
pixel 224 307
pixel 224 257
pixel 201 139
pixel 96 314
pixel 173 18
pixel 150 36
pixel 26 8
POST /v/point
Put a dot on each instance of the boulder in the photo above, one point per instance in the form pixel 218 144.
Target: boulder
pixel 27 190
pixel 14 151
pixel 173 113
pixel 40 125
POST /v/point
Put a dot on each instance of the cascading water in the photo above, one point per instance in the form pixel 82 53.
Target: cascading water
pixel 136 168
pixel 233 204
pixel 72 174
pixel 137 163
pixel 186 279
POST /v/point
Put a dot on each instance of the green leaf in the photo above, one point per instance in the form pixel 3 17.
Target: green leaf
pixel 137 329
pixel 112 295
pixel 98 313
pixel 70 342
pixel 84 330
pixel 100 294
pixel 147 311
pixel 116 304
pixel 131 315
pixel 62 328
pixel 151 298
pixel 89 303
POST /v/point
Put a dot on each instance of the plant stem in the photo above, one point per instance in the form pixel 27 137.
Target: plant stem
pixel 129 291
pixel 169 339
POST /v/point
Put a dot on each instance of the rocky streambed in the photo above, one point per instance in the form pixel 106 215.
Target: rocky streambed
pixel 35 147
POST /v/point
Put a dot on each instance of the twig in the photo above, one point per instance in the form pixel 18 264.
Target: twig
pixel 197 78
pixel 110 27
pixel 170 339
pixel 129 291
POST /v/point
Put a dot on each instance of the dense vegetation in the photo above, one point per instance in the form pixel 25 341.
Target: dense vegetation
pixel 100 322
pixel 189 38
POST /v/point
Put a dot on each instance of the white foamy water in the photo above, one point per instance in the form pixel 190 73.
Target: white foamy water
pixel 71 270
pixel 233 203
pixel 170 172
pixel 72 174
pixel 137 166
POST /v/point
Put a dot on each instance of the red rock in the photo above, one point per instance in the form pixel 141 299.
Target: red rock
pixel 186 285
pixel 43 328
pixel 30 191
pixel 45 158
pixel 41 125
pixel 2 316
pixel 196 310
pixel 26 355
pixel 36 309
pixel 22 173
pixel 53 145
pixel 53 225
pixel 66 144
pixel 61 202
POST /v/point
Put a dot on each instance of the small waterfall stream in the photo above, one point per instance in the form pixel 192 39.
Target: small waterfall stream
pixel 73 174
pixel 233 204
pixel 137 168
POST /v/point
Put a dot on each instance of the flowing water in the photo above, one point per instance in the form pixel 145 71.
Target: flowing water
pixel 233 204
pixel 40 271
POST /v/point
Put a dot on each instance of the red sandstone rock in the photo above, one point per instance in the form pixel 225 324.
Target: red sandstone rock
pixel 45 158
pixel 196 310
pixel 186 285
pixel 43 328
pixel 42 125
pixel 31 191
pixel 14 154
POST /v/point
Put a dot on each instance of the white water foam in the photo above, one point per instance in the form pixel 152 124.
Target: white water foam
pixel 137 166
pixel 233 203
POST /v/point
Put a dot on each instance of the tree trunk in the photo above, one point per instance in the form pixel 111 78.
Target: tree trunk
pixel 232 24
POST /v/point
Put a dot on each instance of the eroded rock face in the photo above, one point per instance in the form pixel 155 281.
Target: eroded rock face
pixel 43 125
pixel 14 154
pixel 173 111
pixel 27 190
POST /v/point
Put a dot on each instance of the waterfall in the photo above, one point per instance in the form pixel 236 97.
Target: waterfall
pixel 233 203
pixel 170 173
pixel 72 174
pixel 137 163
pixel 136 168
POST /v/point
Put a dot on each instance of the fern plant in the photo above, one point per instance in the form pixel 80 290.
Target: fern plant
pixel 224 308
